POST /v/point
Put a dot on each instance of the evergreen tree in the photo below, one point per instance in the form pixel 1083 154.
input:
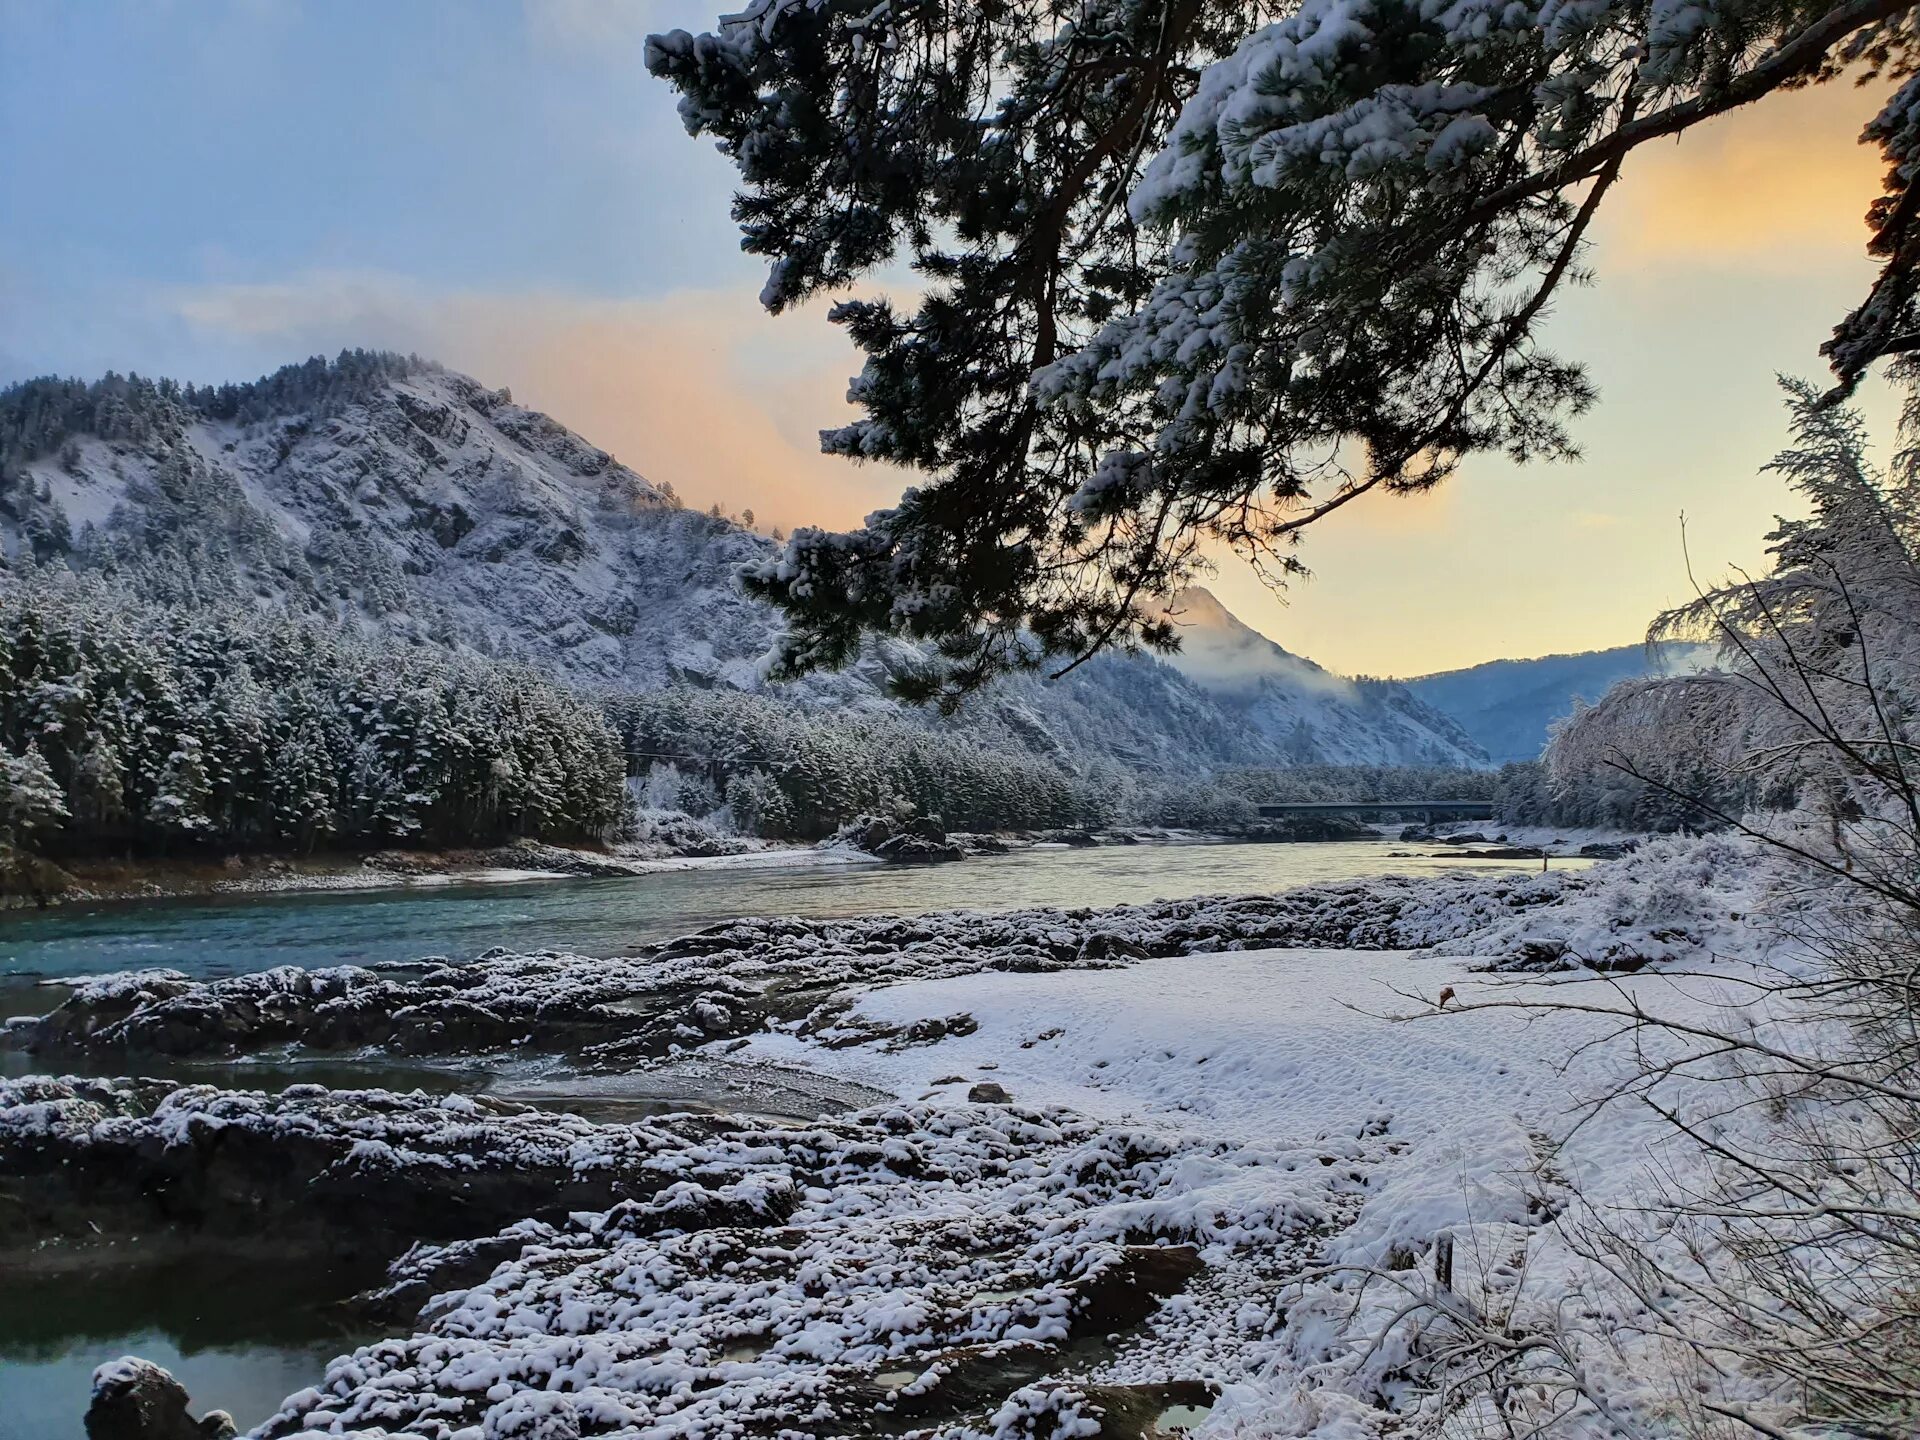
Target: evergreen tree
pixel 1207 272
pixel 30 799
pixel 183 794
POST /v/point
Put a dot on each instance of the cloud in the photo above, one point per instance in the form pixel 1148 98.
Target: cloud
pixel 698 388
pixel 1766 187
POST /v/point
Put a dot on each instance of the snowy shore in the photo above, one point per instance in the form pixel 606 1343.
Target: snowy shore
pixel 1145 1166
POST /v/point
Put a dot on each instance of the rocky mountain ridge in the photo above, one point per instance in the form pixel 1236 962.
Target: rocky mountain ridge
pixel 405 498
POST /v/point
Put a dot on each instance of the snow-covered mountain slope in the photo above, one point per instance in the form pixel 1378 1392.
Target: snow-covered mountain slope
pixel 425 504
pixel 403 497
pixel 1313 714
pixel 1508 706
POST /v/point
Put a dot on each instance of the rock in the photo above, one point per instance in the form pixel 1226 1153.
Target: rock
pixel 871 835
pixel 135 1399
pixel 917 850
pixel 1417 832
pixel 1105 945
pixel 348 1172
pixel 1606 849
pixel 989 1092
pixel 1541 955
pixel 927 828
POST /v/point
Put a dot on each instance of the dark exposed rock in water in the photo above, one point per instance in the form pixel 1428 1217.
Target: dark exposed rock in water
pixel 137 1400
pixel 981 844
pixel 908 842
pixel 1606 849
pixel 917 850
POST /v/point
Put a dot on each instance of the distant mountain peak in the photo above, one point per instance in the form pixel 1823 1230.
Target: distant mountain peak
pixel 1316 715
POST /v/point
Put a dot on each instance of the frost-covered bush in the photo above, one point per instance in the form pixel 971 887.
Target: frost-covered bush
pixel 1672 898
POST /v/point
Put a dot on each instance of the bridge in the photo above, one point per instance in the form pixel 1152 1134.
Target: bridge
pixel 1428 810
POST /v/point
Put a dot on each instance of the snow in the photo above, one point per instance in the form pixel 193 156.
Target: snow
pixel 1423 1123
pixel 1085 1100
pixel 434 509
pixel 1286 1113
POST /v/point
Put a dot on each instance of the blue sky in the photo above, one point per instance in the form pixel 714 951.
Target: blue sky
pixel 473 144
pixel 211 188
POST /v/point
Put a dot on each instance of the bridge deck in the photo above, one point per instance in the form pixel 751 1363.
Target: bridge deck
pixel 1461 809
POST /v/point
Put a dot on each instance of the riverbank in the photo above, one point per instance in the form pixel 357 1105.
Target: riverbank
pixel 83 880
pixel 92 879
pixel 1128 1152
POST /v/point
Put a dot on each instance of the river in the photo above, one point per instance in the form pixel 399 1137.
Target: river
pixel 236 933
pixel 242 1342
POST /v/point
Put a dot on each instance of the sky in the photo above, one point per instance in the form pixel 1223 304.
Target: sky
pixel 209 189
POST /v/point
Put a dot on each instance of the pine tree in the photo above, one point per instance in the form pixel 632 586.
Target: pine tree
pixel 31 802
pixel 183 795
pixel 1207 272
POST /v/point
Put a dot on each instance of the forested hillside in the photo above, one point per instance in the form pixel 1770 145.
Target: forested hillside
pixel 1510 706
pixel 154 726
pixel 368 601
pixel 418 504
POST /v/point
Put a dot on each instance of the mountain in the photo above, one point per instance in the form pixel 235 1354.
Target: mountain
pixel 1317 717
pixel 405 499
pixel 1508 706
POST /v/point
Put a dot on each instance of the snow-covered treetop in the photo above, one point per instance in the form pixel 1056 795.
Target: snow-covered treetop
pixel 36 416
pixel 1195 270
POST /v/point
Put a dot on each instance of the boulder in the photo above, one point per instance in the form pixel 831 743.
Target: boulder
pixel 912 849
pixel 135 1399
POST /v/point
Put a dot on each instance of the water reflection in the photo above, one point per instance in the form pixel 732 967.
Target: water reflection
pixel 240 1334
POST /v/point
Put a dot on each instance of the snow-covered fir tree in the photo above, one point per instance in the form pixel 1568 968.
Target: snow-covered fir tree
pixel 130 723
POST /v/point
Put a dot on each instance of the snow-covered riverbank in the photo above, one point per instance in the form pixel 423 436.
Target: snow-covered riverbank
pixel 1145 1165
